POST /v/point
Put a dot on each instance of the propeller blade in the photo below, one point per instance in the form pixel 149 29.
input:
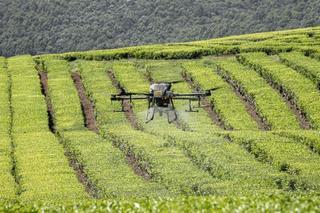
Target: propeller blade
pixel 175 82
pixel 213 89
pixel 136 93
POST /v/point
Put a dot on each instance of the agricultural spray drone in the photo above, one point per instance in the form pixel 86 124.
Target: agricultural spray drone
pixel 161 99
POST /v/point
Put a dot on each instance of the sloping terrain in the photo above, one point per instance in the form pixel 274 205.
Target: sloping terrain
pixel 258 135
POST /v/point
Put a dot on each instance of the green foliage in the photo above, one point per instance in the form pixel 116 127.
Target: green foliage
pixel 267 101
pixel 167 165
pixel 284 154
pixel 26 92
pixel 107 167
pixel 257 203
pixel 230 108
pixel 41 167
pixel 309 138
pixel 58 26
pixel 307 66
pixel 43 170
pixel 104 165
pixel 296 86
pixel 207 151
pixel 7 183
pixel 271 42
pixel 65 101
pixel 193 157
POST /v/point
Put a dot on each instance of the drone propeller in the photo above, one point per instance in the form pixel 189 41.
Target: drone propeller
pixel 136 93
pixel 213 89
pixel 123 93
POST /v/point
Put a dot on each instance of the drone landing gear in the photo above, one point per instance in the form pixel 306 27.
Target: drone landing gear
pixel 190 108
pixel 150 114
pixel 171 114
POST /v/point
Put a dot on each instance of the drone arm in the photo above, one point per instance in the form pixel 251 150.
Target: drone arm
pixel 195 98
pixel 196 94
pixel 128 98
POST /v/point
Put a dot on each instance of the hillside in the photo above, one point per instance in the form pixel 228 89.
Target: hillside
pixel 36 27
pixel 252 144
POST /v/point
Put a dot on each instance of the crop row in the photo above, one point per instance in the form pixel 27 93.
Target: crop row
pixel 42 170
pixel 307 66
pixel 152 52
pixel 225 102
pixel 272 42
pixel 267 101
pixel 202 150
pixel 194 144
pixel 255 203
pixel 294 85
pixel 284 154
pixel 108 173
pixel 310 138
pixel 166 164
pixel 7 182
pixel 227 162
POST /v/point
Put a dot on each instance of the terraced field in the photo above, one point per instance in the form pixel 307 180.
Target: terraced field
pixel 254 141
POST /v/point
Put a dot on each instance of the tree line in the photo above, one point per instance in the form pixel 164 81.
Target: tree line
pixel 50 26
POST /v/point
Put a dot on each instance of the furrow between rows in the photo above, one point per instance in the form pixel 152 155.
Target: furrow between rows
pixel 106 166
pixel 299 91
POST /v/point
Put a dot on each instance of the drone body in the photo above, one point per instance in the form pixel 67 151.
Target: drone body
pixel 161 99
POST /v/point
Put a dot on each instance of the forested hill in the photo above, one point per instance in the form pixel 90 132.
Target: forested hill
pixel 47 26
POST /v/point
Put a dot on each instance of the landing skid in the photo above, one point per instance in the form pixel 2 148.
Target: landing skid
pixel 171 114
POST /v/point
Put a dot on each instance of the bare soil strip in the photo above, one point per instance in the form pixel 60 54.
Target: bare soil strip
pixel 90 188
pixel 86 105
pixel 14 171
pixel 83 178
pixel 130 157
pixel 126 103
pixel 206 104
pixel 289 100
pixel 44 89
pixel 138 170
pixel 249 103
pixel 301 116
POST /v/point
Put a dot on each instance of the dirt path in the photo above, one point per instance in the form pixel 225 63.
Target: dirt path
pixel 130 157
pixel 249 104
pixel 206 105
pixel 126 104
pixel 90 188
pixel 301 116
pixel 45 92
pixel 86 105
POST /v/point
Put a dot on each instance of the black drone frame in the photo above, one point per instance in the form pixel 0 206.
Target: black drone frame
pixel 174 96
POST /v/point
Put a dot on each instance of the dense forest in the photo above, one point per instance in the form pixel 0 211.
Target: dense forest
pixel 48 26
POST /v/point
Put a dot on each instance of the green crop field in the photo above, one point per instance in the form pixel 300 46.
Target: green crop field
pixel 253 145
